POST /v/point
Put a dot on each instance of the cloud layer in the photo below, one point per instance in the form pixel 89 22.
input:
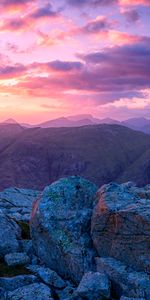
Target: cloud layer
pixel 90 55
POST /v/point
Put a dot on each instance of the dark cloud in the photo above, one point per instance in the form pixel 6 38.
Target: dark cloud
pixel 91 2
pixel 8 3
pixel 12 71
pixel 132 16
pixel 95 26
pixel 13 24
pixel 58 65
pixel 45 11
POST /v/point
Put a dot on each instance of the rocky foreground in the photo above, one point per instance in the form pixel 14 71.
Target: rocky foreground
pixel 81 244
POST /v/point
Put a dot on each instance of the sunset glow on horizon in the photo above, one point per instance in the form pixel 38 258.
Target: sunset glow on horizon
pixel 65 57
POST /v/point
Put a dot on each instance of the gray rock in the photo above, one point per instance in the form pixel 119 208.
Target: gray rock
pixel 94 285
pixel 16 282
pixel 48 276
pixel 18 258
pixel 9 234
pixel 124 280
pixel 121 224
pixel 35 291
pixel 60 226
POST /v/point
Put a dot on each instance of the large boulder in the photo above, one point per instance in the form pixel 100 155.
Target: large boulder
pixel 121 224
pixel 60 226
pixel 9 235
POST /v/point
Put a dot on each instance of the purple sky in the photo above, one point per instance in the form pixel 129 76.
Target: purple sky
pixel 66 57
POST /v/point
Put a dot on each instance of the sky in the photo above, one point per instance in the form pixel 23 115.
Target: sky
pixel 67 57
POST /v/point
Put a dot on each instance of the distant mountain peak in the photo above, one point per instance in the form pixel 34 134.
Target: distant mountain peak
pixel 10 121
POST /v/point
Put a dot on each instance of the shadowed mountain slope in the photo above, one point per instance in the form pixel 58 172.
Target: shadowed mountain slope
pixel 101 153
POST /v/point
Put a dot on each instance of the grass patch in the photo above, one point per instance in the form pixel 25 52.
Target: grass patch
pixel 6 271
pixel 25 230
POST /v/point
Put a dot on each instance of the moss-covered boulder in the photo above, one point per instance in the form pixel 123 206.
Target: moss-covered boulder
pixel 60 226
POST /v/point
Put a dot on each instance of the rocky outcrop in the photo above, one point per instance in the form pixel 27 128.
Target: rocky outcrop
pixel 60 262
pixel 121 224
pixel 60 226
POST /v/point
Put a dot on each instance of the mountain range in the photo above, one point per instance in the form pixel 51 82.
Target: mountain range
pixel 140 124
pixel 35 157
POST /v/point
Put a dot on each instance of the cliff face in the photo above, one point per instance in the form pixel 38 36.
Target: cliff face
pixel 103 153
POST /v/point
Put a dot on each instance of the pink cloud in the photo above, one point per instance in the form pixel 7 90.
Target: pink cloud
pixel 134 2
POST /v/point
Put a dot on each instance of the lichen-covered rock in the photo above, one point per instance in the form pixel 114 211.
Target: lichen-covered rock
pixel 35 291
pixel 9 235
pixel 121 224
pixel 60 226
pixel 94 285
pixel 17 259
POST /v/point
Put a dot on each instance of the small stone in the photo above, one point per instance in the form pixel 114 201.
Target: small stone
pixel 15 259
pixel 94 285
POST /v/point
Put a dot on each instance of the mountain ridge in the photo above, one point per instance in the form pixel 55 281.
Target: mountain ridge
pixel 140 124
pixel 101 153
